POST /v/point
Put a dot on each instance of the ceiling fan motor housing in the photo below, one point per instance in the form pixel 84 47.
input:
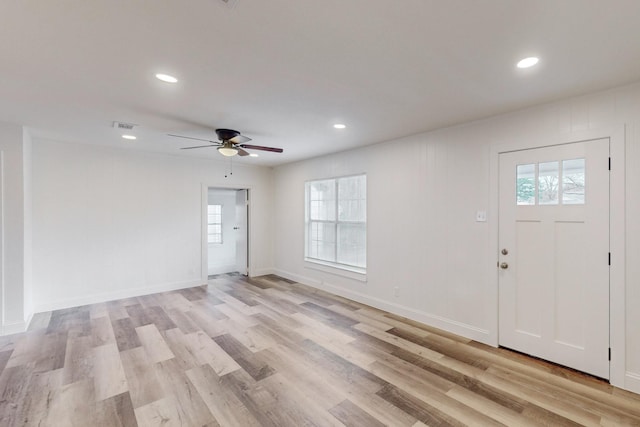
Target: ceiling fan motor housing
pixel 226 134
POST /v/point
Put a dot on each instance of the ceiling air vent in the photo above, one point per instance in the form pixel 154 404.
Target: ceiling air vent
pixel 123 125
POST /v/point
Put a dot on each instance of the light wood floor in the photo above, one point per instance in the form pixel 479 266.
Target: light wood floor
pixel 249 352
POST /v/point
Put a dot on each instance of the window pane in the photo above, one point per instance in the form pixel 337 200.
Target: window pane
pixel 352 244
pixel 573 184
pixel 322 200
pixel 352 198
pixel 322 241
pixel 548 183
pixel 526 184
pixel 214 223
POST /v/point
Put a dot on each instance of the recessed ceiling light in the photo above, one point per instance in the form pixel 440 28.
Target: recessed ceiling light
pixel 528 62
pixel 253 155
pixel 166 78
pixel 131 137
pixel 339 126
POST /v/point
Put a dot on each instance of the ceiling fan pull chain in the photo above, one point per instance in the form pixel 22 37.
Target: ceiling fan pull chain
pixel 226 174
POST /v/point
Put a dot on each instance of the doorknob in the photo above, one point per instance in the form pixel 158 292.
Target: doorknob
pixel 504 266
pixel 505 251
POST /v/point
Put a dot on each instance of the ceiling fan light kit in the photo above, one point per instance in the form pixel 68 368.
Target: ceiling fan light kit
pixel 227 150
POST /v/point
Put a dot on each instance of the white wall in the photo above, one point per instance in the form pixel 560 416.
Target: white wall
pixel 110 223
pixel 222 257
pixel 423 193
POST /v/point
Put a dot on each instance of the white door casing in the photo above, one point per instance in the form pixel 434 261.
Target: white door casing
pixel 554 289
pixel 241 230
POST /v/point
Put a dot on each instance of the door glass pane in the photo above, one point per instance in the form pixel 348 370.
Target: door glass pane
pixel 526 185
pixel 548 182
pixel 573 182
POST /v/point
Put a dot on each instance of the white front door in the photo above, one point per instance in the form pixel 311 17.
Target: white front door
pixel 241 231
pixel 554 254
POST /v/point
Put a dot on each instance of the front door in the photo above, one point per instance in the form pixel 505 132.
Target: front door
pixel 554 254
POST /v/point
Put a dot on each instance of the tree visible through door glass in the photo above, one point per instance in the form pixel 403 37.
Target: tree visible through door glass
pixel 526 185
pixel 573 185
pixel 548 183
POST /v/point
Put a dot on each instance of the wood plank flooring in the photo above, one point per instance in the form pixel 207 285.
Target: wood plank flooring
pixel 269 352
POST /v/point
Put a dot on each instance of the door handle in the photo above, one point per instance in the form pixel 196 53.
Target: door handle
pixel 504 266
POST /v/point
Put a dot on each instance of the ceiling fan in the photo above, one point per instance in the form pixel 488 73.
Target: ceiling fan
pixel 230 142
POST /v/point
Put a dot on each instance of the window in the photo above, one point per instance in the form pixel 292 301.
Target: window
pixel 566 177
pixel 214 223
pixel 336 222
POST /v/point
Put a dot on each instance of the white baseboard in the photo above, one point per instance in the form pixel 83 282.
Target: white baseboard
pixel 261 272
pixel 453 326
pixel 110 296
pixel 298 278
pixel 632 381
pixel 14 328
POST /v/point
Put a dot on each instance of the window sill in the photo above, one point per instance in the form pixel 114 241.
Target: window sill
pixel 343 271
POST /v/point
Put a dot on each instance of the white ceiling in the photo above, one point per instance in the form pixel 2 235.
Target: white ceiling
pixel 284 71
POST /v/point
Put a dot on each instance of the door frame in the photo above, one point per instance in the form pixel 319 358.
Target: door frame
pixel 204 263
pixel 617 305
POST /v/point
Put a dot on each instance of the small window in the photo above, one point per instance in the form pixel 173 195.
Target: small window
pixel 214 223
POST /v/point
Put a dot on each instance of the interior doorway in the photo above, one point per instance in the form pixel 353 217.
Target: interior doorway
pixel 226 234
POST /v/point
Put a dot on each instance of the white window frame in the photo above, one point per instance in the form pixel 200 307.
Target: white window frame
pixel 209 234
pixel 347 270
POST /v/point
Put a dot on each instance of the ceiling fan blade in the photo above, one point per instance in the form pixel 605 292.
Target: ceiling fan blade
pixel 241 152
pixel 259 147
pixel 189 137
pixel 239 139
pixel 198 146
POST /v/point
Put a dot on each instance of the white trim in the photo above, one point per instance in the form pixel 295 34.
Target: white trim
pixel 17 327
pixel 617 245
pixel 2 248
pixel 617 307
pixel 337 270
pixel 452 326
pixel 14 328
pixel 110 296
pixel 632 381
pixel 261 272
